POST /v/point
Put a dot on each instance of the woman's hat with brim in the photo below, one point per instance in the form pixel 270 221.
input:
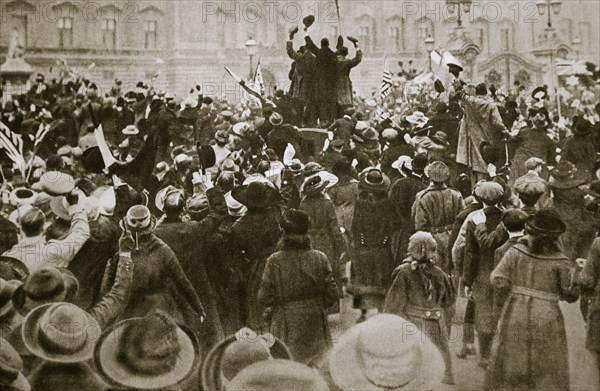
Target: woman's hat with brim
pixel 398 357
pixel 234 207
pixel 278 375
pixel 60 332
pixel 256 195
pixel 374 179
pixel 124 354
pixel 163 194
pixel 139 220
pixel 314 185
pixel 295 166
pixel 402 162
pixel 232 355
pixel 57 183
pixel 22 196
pixel 44 285
pixel 417 118
pixel 13 269
pixel 11 369
pixel 539 93
pixel 546 222
pixel 241 129
pixel 130 130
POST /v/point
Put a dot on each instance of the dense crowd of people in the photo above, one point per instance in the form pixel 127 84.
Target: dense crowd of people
pixel 149 243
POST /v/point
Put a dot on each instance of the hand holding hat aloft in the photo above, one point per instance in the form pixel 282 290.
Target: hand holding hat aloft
pixel 73 197
pixel 126 242
pixel 353 40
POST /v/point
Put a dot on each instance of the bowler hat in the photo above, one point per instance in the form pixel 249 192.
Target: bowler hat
pixel 60 332
pixel 374 179
pixel 546 222
pixel 230 356
pixel 44 285
pixel 308 21
pixel 438 172
pixel 384 348
pixel 207 156
pixel 278 375
pixel 147 353
pixel 539 93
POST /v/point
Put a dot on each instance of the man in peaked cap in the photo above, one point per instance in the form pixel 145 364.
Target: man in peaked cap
pixel 436 208
pixel 484 235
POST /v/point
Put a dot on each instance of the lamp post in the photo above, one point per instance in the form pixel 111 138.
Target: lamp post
pixel 429 44
pixel 251 49
pixel 553 7
pixel 459 6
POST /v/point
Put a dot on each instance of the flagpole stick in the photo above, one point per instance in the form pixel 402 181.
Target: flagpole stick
pixel 30 164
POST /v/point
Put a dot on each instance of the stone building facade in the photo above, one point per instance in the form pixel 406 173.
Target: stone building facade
pixel 189 41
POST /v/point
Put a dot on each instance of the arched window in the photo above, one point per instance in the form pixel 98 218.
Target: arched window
pixel 395 33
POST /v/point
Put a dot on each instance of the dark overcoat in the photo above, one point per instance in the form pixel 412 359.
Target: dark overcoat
pixel 589 281
pixel 344 83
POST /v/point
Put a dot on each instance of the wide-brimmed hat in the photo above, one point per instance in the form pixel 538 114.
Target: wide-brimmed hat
pixel 57 183
pixel 385 352
pixel 374 179
pixel 45 285
pixel 222 136
pixel 60 332
pixel 539 93
pixel 11 369
pixel 438 172
pixel 147 353
pixel 278 375
pixel 7 288
pixel 241 128
pixel 417 118
pixel 169 195
pixel 22 196
pixel 92 160
pixel 138 220
pixel 564 169
pixel 130 130
pixel 230 356
pixel 234 207
pixel 489 192
pixel 12 269
pixel 390 134
pixel 256 195
pixel 546 222
pixel 276 119
pixel 314 185
pixel 402 162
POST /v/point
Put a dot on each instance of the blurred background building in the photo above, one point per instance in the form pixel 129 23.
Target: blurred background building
pixel 189 41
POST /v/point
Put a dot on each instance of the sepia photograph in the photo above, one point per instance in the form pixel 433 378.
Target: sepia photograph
pixel 299 195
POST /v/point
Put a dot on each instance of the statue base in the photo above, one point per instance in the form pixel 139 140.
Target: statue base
pixel 15 72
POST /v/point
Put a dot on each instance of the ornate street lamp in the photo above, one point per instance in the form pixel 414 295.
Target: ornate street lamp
pixel 251 50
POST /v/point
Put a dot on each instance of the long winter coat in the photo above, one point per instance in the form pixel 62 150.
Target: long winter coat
pixel 324 232
pixel 188 240
pixel 481 243
pixel 589 281
pixel 256 234
pixel 344 83
pixel 344 195
pixel 372 263
pixel 530 349
pixel 159 283
pixel 298 286
pixel 533 143
pixel 409 298
pixel 304 77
